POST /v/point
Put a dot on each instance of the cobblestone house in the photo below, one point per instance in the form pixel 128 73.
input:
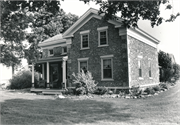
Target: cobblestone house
pixel 116 56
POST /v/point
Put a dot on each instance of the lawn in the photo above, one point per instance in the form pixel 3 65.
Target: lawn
pixel 163 109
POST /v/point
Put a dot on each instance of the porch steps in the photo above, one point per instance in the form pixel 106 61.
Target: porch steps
pixel 47 91
pixel 51 93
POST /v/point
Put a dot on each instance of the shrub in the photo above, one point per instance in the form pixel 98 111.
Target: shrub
pixel 101 91
pixel 163 85
pixel 84 83
pixel 135 91
pixel 22 80
pixel 176 74
pixel 149 91
pixel 156 88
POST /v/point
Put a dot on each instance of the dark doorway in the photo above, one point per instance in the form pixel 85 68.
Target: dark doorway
pixel 55 75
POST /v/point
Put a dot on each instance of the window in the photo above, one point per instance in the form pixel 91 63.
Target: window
pixel 149 68
pixel 85 39
pixel 51 52
pixel 83 64
pixel 64 50
pixel 107 67
pixel 139 68
pixel 102 36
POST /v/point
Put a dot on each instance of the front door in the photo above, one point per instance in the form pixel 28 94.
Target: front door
pixel 55 75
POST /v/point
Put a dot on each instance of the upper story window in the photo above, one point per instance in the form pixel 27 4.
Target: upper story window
pixel 50 52
pixel 102 36
pixel 85 39
pixel 64 50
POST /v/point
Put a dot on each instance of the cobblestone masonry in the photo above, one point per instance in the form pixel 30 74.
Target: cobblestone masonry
pixel 117 47
pixel 138 48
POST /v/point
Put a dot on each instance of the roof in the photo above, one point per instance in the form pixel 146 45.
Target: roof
pixel 56 37
pixel 92 13
pixel 84 18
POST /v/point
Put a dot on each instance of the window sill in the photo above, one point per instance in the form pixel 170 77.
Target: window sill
pixel 63 53
pixel 84 48
pixel 103 45
pixel 51 55
pixel 141 78
pixel 150 78
pixel 107 79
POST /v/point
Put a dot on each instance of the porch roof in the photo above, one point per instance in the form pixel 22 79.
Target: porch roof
pixel 57 39
pixel 52 59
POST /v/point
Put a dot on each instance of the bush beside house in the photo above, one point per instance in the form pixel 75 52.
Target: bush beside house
pixel 22 80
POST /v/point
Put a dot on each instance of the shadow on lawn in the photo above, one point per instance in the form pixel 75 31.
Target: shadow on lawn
pixel 45 111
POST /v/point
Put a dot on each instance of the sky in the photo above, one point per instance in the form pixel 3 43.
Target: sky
pixel 168 33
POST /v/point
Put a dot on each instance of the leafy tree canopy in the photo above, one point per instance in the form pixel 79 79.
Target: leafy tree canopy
pixel 47 19
pixel 164 60
pixel 44 18
pixel 132 11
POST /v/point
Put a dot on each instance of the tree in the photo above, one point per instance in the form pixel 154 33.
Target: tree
pixel 132 11
pixel 164 60
pixel 176 73
pixel 45 18
pixel 169 72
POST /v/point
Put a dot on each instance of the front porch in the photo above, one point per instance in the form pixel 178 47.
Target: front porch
pixel 53 76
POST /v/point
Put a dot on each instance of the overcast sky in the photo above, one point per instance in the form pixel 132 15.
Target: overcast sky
pixel 167 33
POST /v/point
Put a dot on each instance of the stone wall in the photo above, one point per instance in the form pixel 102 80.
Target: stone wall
pixel 117 47
pixel 147 52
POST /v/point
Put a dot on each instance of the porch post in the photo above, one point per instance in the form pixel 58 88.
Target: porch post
pixel 43 71
pixel 64 70
pixel 32 75
pixel 47 75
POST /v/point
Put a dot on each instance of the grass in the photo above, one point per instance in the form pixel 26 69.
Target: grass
pixel 163 109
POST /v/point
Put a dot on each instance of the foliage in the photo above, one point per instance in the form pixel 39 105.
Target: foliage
pixel 176 73
pixel 135 91
pixel 169 71
pixel 163 85
pixel 44 18
pixel 69 91
pixel 156 88
pixel 164 60
pixel 84 82
pixel 22 80
pixel 149 91
pixel 101 91
pixel 132 11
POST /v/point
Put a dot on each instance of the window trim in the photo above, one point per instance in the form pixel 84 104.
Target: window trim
pixel 149 66
pixel 82 60
pixel 49 52
pixel 84 33
pixel 104 58
pixel 63 50
pixel 102 29
pixel 140 61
